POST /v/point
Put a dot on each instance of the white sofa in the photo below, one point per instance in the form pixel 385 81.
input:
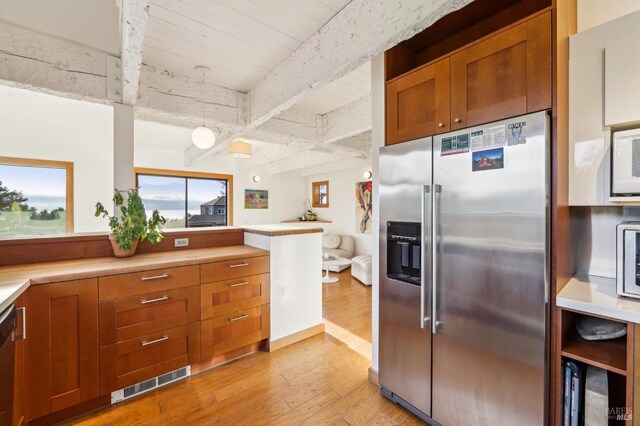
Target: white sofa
pixel 338 245
pixel 361 269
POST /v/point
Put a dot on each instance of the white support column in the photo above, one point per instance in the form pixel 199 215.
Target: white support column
pixel 135 16
pixel 377 137
pixel 123 122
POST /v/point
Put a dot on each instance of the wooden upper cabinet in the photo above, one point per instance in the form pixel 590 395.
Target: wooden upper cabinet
pixel 417 104
pixel 505 75
pixel 62 346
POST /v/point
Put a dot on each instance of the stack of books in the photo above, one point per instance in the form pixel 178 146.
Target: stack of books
pixel 574 384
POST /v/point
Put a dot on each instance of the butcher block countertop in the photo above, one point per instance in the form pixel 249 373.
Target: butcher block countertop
pixel 14 280
pixel 279 230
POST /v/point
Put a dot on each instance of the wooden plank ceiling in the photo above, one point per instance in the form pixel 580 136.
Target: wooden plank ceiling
pixel 240 40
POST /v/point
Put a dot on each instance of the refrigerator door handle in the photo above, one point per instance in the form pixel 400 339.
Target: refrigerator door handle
pixel 435 324
pixel 425 249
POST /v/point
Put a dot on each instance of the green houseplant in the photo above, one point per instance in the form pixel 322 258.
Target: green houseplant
pixel 131 225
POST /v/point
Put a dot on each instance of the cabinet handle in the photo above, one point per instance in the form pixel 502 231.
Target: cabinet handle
pixel 159 299
pixel 151 342
pixel 440 124
pixel 155 277
pixel 457 120
pixel 239 318
pixel 239 284
pixel 23 315
pixel 238 265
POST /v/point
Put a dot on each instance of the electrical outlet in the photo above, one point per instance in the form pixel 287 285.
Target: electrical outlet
pixel 181 242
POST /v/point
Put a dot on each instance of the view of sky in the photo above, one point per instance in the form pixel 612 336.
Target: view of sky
pixel 167 194
pixel 45 188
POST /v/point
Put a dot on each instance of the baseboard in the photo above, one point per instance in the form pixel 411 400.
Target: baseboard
pixel 373 376
pixel 274 345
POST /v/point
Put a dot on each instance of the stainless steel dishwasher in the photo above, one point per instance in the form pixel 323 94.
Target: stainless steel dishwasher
pixel 7 360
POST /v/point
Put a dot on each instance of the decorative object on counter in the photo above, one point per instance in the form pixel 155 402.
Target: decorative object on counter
pixel 131 225
pixel 593 328
pixel 363 207
pixel 256 199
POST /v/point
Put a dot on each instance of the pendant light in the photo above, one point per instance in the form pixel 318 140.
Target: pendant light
pixel 239 149
pixel 203 137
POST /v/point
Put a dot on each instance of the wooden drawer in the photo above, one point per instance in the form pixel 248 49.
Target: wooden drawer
pixel 219 271
pixel 139 315
pixel 125 285
pixel 228 296
pixel 132 361
pixel 234 330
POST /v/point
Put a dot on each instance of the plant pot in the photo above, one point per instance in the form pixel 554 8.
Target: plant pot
pixel 120 252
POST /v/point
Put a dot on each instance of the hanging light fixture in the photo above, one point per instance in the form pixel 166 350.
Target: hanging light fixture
pixel 203 137
pixel 239 149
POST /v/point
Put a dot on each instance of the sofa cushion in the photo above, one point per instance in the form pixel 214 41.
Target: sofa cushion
pixel 331 241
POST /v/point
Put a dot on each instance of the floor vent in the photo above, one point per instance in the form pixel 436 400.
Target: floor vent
pixel 147 385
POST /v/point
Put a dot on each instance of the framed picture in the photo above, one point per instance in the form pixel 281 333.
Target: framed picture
pixel 256 199
pixel 363 207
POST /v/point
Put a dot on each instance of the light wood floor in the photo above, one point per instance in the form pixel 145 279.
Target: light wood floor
pixel 319 381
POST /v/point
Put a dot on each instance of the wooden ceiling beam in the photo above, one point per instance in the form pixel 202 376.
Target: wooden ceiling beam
pixel 135 17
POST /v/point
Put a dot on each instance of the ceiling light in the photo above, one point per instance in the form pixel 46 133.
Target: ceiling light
pixel 256 178
pixel 239 149
pixel 368 174
pixel 203 137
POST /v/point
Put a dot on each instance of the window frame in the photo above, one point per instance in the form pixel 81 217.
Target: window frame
pixel 188 174
pixel 50 164
pixel 315 193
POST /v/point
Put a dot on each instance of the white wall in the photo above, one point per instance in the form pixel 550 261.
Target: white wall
pixel 46 127
pixel 595 12
pixel 342 204
pixel 161 146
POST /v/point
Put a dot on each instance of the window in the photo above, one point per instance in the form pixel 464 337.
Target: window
pixel 187 199
pixel 36 197
pixel 320 194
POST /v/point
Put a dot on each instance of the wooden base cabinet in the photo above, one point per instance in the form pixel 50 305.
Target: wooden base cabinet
pixel 19 417
pixel 61 346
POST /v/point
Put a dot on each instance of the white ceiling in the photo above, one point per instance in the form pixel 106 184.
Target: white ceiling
pixel 343 91
pixel 93 23
pixel 240 40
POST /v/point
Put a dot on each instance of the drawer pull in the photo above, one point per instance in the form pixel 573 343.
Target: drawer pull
pixel 151 342
pixel 155 277
pixel 239 284
pixel 159 299
pixel 238 265
pixel 239 318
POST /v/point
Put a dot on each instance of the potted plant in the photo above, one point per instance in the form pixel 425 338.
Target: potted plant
pixel 131 226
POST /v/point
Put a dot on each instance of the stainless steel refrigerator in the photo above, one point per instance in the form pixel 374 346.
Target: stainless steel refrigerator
pixel 464 274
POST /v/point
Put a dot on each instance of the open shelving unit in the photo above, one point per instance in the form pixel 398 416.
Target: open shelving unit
pixel 614 356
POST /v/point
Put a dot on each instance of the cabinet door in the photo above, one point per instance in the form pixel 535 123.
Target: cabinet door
pixel 62 346
pixel 18 380
pixel 417 104
pixel 503 76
